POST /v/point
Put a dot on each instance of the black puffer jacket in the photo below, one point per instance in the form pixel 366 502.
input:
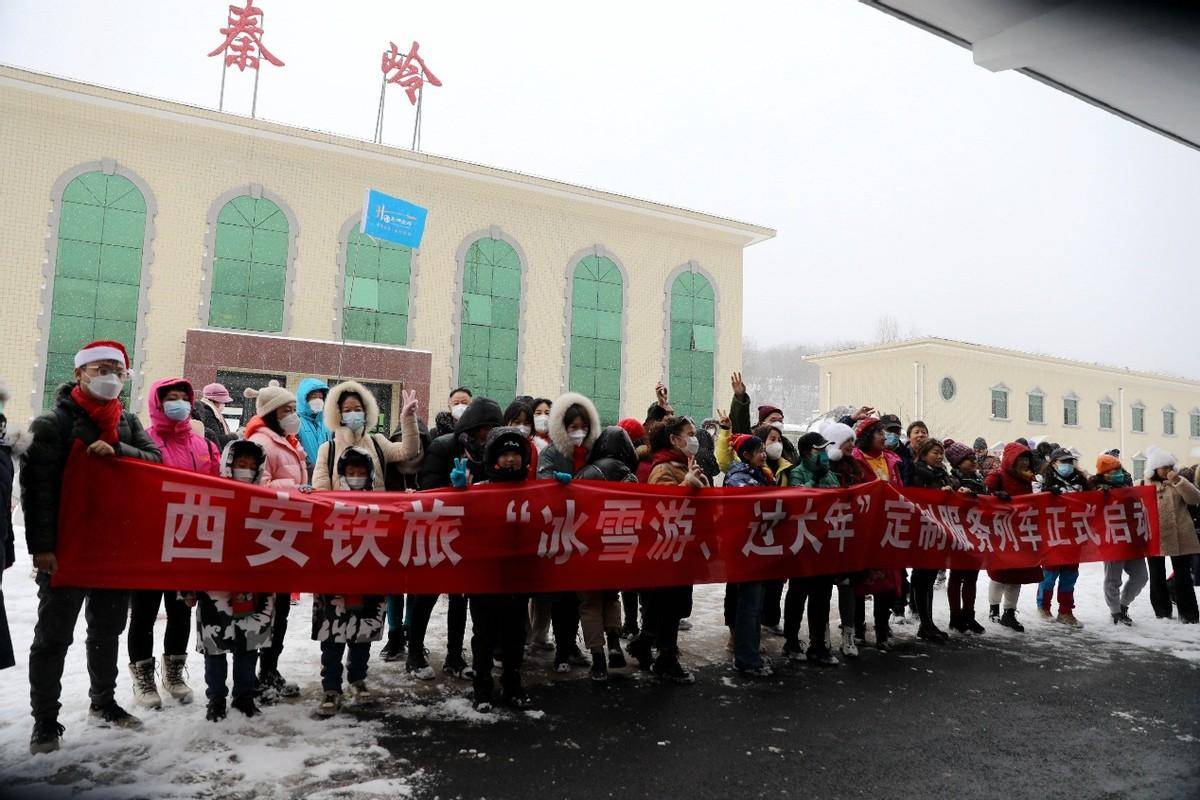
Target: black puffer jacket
pixel 706 457
pixel 924 476
pixel 214 427
pixel 54 434
pixel 613 458
pixel 439 459
pixel 401 476
pixel 970 480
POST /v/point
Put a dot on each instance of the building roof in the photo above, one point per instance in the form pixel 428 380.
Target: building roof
pixel 1138 60
pixel 104 96
pixel 981 349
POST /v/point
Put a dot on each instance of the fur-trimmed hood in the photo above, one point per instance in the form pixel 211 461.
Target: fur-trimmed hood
pixel 333 415
pixel 558 431
pixel 17 441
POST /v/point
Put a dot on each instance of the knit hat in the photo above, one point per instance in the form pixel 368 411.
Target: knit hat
pixel 957 453
pixel 1106 463
pixel 635 429
pixel 865 424
pixel 1157 458
pixel 102 350
pixel 766 411
pixel 981 443
pixel 745 444
pixel 269 398
pixel 838 433
pixel 216 392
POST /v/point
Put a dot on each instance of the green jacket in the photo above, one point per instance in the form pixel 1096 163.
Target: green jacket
pixel 803 473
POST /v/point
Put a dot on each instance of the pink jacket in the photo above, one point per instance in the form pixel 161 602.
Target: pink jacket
pixel 868 474
pixel 285 467
pixel 181 448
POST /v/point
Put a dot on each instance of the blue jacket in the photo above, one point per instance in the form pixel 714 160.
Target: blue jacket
pixel 313 432
pixel 742 474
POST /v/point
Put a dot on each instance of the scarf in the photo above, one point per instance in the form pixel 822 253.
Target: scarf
pixel 105 413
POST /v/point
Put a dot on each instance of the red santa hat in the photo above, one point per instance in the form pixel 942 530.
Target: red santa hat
pixel 102 350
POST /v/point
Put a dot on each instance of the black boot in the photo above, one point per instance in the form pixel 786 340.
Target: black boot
pixel 1009 620
pixel 616 657
pixel 216 710
pixel 973 625
pixel 640 649
pixel 994 612
pixel 45 737
pixel 245 705
pixel 667 666
pixel 599 666
pixel 112 715
pixel 395 647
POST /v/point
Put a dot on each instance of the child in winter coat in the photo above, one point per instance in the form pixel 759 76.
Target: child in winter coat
pixel 346 624
pixel 960 589
pixel 170 403
pixel 928 471
pixel 234 623
pixel 1014 477
pixel 1111 475
pixel 750 469
pixel 498 620
pixel 612 459
pixel 875 461
pixel 1060 475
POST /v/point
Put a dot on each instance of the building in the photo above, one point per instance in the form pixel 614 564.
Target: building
pixel 221 247
pixel 966 390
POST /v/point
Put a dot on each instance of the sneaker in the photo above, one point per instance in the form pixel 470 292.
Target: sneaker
pixel 482 706
pixel 359 692
pixel 1067 618
pixel 216 710
pixel 46 736
pixel 395 647
pixel 763 670
pixel 640 650
pixel 145 694
pixel 418 667
pixel 271 679
pixel 518 700
pixel 174 669
pixel 599 671
pixel 823 659
pixel 1009 620
pixel 669 668
pixel 246 706
pixel 1122 618
pixel 849 648
pixel 792 651
pixel 112 715
pixel 685 624
pixel 331 703
pixel 457 667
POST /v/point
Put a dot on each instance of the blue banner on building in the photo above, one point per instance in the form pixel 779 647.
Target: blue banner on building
pixel 393 219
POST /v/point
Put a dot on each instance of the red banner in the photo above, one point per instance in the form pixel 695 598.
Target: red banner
pixel 131 524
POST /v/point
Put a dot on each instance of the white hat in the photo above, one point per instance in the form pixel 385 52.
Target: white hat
pixel 1157 458
pixel 269 398
pixel 837 433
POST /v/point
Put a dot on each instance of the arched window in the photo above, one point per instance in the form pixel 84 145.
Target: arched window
pixel 375 298
pixel 97 271
pixel 595 365
pixel 491 310
pixel 693 344
pixel 250 263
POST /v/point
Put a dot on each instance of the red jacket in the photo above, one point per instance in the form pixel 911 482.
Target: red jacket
pixel 867 474
pixel 1006 479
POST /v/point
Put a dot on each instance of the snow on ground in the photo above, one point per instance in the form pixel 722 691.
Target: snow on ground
pixel 288 753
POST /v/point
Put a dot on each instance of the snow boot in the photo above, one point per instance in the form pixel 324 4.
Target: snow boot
pixel 216 710
pixel 174 668
pixel 47 734
pixel 667 667
pixel 1067 618
pixel 849 648
pixel 599 671
pixel 270 681
pixel 1122 617
pixel 616 656
pixel 994 612
pixel 331 703
pixel 112 715
pixel 928 633
pixel 793 651
pixel 144 692
pixel 973 625
pixel 763 670
pixel 640 650
pixel 246 706
pixel 418 666
pixel 958 622
pixel 394 649
pixel 360 693
pixel 457 667
pixel 1009 620
pixel 1045 614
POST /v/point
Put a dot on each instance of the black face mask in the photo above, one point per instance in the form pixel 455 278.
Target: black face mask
pixel 496 475
pixel 472 447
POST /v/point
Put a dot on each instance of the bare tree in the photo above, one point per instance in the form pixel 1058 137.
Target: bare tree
pixel 887 329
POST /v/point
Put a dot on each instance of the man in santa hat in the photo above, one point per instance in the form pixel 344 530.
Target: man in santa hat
pixel 88 409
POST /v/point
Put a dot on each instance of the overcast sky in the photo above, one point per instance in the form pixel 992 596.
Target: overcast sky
pixel 902 178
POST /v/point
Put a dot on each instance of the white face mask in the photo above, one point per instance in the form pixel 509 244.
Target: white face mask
pixel 354 420
pixel 774 449
pixel 316 405
pixel 577 437
pixel 692 447
pixel 356 483
pixel 244 475
pixel 290 424
pixel 105 387
pixel 458 410
pixel 541 423
pixel 524 429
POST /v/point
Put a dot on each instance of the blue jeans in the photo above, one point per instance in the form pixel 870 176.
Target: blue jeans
pixel 746 626
pixel 331 663
pixel 1066 577
pixel 216 668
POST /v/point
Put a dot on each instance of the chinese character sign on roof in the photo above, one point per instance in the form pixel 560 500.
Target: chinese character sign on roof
pixel 243 39
pixel 408 71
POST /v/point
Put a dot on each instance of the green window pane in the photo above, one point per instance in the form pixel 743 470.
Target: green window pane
pixel 75 296
pixel 395 265
pixel 78 259
pixel 358 326
pixel 681 308
pixel 505 312
pixel 89 188
pixel 583 380
pixel 115 329
pixel 583 322
pixel 502 373
pixel 117 301
pixel 363 261
pixel 681 336
pixel 583 293
pixel 124 227
pixel 122 194
pixel 69 333
pixel 608 382
pixel 251 258
pixel 608 295
pixel 503 344
pixel 473 370
pixel 704 311
pixel 704 338
pixel 608 354
pixel 479 279
pixel 364 293
pixel 477 309
pixel 391 329
pixel 583 352
pixel 490 318
pixel 506 282
pixel 120 264
pixel 81 223
pixel 393 297
pixel 475 340
pixel 608 325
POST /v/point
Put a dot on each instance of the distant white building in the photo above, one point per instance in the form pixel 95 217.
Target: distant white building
pixel 966 390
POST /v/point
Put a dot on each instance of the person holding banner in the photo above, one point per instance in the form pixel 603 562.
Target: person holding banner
pixel 1177 537
pixel 1059 476
pixel 750 469
pixel 1111 475
pixel 928 471
pixel 876 462
pixel 960 589
pixel 1013 478
pixel 87 411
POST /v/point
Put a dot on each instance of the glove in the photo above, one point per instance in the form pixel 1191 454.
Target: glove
pixel 562 477
pixel 305 489
pixel 1003 497
pixel 458 475
pixel 1055 490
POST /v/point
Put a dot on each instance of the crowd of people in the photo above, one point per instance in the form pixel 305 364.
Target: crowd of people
pixel 324 438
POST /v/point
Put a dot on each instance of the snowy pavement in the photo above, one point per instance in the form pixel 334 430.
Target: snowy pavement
pixel 287 753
